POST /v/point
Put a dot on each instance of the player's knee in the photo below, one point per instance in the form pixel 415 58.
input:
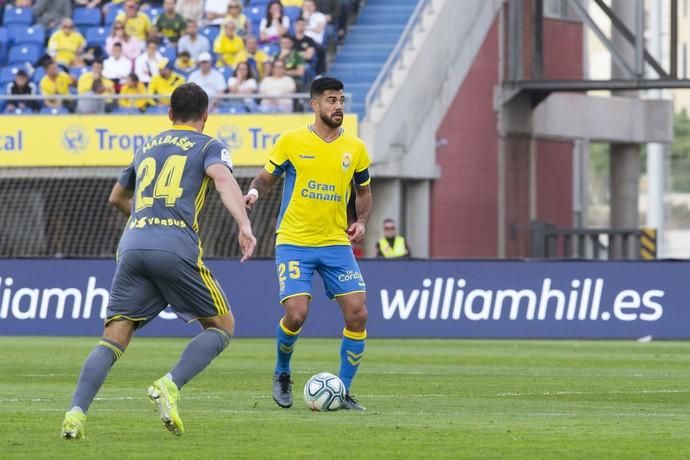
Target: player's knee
pixel 356 320
pixel 294 319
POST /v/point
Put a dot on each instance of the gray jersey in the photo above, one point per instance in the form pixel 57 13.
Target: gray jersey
pixel 168 177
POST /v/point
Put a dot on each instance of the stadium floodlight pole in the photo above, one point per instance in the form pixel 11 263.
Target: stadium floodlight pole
pixel 655 150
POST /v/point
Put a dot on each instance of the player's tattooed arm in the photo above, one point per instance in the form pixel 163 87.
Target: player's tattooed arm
pixel 261 184
pixel 121 198
pixel 363 203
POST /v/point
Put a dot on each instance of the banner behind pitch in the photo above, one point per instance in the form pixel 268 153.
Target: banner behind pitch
pixel 492 299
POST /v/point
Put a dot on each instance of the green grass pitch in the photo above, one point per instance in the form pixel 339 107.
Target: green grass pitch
pixel 426 399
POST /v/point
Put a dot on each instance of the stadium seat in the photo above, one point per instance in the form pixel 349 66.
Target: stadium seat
pixel 293 12
pixel 7 74
pixel 77 72
pixel 21 34
pixel 86 17
pixel 153 14
pixel 227 72
pixel 259 2
pixel 38 74
pixel 24 53
pixel 96 36
pixel 211 32
pixel 53 111
pixel 157 110
pixel 4 43
pixel 255 14
pixel 111 15
pixel 168 52
pixel 18 16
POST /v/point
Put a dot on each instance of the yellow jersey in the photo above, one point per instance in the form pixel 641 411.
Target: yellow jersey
pixel 318 182
pixel 165 86
pixel 65 47
pixel 133 103
pixel 139 26
pixel 256 61
pixel 85 83
pixel 227 48
pixel 60 85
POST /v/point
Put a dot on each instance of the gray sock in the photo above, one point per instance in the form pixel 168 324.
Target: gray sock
pixel 198 354
pixel 94 371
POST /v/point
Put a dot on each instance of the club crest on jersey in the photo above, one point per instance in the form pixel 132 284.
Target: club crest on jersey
pixel 347 161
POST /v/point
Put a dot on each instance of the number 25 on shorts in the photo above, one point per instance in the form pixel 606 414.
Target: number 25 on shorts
pixel 292 268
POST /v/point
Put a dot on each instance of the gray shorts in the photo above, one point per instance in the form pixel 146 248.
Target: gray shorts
pixel 147 281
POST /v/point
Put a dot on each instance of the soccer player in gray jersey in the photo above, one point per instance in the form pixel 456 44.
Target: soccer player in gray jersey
pixel 160 256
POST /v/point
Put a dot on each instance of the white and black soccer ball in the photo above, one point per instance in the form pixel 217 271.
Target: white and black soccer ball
pixel 324 392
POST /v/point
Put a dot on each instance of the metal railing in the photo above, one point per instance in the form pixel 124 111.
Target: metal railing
pixel 549 242
pixel 387 69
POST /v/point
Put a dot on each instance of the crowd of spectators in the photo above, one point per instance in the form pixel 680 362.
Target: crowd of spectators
pixel 152 47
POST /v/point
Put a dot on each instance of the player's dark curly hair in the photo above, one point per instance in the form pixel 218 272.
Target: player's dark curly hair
pixel 323 84
pixel 188 102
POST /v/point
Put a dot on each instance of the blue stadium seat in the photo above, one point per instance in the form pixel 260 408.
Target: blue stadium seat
pixel 86 17
pixel 77 72
pixel 24 53
pixel 211 32
pixel 153 14
pixel 227 72
pixel 96 36
pixel 39 73
pixel 51 111
pixel 168 52
pixel 255 14
pixel 259 2
pixel 157 110
pixel 293 12
pixel 7 75
pixel 21 34
pixel 112 14
pixel 4 43
pixel 18 16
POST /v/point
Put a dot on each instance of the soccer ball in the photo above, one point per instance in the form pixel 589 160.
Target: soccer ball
pixel 324 392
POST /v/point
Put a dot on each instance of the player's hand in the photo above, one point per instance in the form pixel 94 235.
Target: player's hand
pixel 249 200
pixel 247 242
pixel 356 232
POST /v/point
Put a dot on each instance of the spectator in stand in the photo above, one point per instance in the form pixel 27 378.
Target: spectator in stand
pixel 243 82
pixel 277 84
pixel 170 24
pixel 297 3
pixel 294 62
pixel 21 86
pixel 192 42
pixel 19 3
pixel 117 67
pixel 392 245
pixel 137 24
pixel 88 3
pixel 49 13
pixel 315 22
pixel 216 10
pixel 165 82
pixel 275 24
pixel 131 46
pixel 228 45
pixel 210 80
pixel 87 78
pixel 242 25
pixel 191 10
pixel 56 82
pixel 92 105
pixel 147 64
pixel 309 48
pixel 332 10
pixel 253 56
pixel 184 63
pixel 66 45
pixel 133 87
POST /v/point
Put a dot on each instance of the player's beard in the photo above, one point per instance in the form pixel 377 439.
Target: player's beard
pixel 330 121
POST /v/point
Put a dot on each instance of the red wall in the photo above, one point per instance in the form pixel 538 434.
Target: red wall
pixel 464 200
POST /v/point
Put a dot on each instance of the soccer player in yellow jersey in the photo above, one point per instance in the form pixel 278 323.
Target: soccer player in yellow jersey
pixel 320 162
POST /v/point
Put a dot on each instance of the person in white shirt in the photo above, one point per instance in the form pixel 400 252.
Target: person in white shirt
pixel 275 24
pixel 193 42
pixel 216 10
pixel 147 63
pixel 243 81
pixel 210 80
pixel 277 84
pixel 315 21
pixel 117 67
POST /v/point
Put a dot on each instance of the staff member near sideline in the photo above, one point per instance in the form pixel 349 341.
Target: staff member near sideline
pixel 392 245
